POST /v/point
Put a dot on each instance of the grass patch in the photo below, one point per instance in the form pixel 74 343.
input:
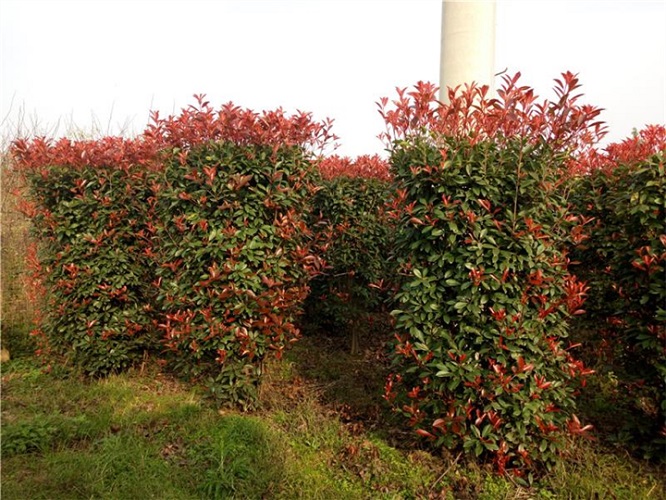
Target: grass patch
pixel 145 435
pixel 241 457
pixel 593 472
pixel 115 466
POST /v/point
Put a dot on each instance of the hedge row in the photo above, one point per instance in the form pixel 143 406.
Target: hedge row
pixel 234 260
pixel 189 241
pixel 203 239
pixel 96 271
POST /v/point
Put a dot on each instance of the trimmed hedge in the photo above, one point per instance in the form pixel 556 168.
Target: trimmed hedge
pixel 94 266
pixel 355 237
pixel 481 361
pixel 189 238
pixel 234 260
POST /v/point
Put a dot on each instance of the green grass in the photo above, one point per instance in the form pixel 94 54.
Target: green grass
pixel 316 436
pixel 145 436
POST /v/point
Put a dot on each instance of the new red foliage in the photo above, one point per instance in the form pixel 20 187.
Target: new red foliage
pixel 631 151
pixel 365 166
pixel 474 115
pixel 196 124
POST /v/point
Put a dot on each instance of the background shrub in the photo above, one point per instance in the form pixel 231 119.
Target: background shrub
pixel 355 234
pixel 623 258
pixel 16 312
pixel 481 360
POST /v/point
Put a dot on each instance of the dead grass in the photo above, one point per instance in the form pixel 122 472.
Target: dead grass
pixel 17 311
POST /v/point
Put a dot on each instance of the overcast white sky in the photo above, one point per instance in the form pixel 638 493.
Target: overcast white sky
pixel 103 64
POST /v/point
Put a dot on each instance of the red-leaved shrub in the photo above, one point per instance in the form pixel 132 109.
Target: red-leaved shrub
pixel 355 236
pixel 481 360
pixel 622 256
pixel 163 241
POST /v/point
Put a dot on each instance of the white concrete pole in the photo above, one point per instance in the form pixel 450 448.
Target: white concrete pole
pixel 468 44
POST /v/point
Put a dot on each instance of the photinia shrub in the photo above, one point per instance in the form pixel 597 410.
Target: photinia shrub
pixel 89 217
pixel 107 215
pixel 623 259
pixel 235 260
pixel 350 223
pixel 481 359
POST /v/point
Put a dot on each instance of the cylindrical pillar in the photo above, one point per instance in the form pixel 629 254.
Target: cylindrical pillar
pixel 468 44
